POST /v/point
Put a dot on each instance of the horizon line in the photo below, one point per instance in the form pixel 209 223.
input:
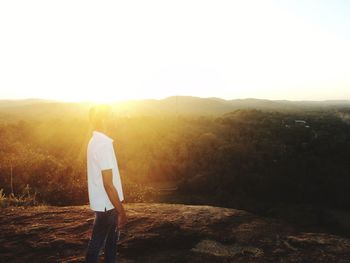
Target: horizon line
pixel 164 98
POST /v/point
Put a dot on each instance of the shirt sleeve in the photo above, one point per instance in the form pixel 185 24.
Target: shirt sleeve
pixel 104 156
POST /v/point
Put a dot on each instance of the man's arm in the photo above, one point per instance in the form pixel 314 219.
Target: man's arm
pixel 112 193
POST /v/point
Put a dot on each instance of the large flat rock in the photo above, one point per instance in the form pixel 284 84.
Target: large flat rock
pixel 164 233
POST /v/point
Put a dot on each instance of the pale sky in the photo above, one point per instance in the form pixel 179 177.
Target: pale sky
pixel 117 50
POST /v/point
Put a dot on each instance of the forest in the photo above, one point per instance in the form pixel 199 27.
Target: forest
pixel 248 159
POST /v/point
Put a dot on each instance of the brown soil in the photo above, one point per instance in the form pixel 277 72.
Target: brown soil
pixel 164 233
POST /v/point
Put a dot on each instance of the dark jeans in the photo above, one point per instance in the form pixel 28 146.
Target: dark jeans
pixel 103 234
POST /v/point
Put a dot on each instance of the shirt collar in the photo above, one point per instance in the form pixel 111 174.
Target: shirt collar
pixel 101 135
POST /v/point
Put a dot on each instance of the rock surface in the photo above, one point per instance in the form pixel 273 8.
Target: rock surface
pixel 164 233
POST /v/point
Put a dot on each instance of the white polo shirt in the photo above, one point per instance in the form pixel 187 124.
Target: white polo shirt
pixel 101 156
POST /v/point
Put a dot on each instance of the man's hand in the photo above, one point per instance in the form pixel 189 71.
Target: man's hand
pixel 113 197
pixel 121 219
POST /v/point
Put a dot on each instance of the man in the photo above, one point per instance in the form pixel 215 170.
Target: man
pixel 105 189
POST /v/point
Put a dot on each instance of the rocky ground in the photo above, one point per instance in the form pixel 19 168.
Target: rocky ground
pixel 164 233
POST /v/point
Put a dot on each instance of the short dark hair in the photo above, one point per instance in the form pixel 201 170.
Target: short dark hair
pixel 98 114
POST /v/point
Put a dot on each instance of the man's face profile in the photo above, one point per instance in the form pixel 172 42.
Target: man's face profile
pixel 100 116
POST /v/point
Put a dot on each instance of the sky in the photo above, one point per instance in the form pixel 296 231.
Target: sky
pixel 117 50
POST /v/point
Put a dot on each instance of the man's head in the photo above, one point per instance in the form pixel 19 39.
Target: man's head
pixel 99 115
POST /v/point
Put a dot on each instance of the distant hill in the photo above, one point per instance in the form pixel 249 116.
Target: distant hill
pixel 15 103
pixel 174 105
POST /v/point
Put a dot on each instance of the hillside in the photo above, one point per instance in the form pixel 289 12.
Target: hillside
pixel 179 105
pixel 16 103
pixel 164 233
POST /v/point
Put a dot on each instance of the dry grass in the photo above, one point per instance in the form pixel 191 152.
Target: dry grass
pixel 26 199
